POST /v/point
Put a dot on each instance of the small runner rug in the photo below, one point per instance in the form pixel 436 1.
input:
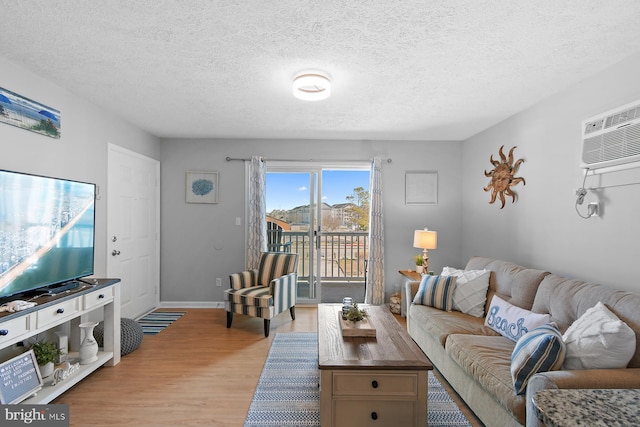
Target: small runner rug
pixel 287 393
pixel 154 322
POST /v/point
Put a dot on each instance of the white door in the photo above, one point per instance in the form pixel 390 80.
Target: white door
pixel 133 227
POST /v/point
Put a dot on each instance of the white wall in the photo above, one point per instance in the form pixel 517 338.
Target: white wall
pixel 80 153
pixel 542 229
pixel 202 242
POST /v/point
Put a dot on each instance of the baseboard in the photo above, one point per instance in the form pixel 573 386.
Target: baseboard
pixel 210 304
pixel 205 304
pixel 191 304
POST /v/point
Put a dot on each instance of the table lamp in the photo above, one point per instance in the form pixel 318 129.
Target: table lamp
pixel 425 239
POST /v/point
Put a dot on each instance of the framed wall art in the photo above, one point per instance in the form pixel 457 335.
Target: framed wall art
pixel 421 187
pixel 16 110
pixel 202 187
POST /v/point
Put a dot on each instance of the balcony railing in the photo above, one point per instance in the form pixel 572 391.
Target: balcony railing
pixel 343 255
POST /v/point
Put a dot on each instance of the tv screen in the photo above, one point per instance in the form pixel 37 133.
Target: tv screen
pixel 46 231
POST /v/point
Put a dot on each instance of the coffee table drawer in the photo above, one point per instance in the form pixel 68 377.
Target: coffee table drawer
pixel 394 413
pixel 375 383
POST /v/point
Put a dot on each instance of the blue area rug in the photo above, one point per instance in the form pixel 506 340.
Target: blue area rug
pixel 287 393
pixel 153 323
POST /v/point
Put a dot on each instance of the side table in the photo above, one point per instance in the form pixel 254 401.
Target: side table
pixel 409 276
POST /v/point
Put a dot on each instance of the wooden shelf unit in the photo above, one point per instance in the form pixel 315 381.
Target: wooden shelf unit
pixel 74 307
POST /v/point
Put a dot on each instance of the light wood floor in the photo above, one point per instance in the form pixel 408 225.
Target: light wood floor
pixel 194 373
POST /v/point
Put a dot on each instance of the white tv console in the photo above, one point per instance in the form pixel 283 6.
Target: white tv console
pixel 74 307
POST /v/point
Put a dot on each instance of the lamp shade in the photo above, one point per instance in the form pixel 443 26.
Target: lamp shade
pixel 425 239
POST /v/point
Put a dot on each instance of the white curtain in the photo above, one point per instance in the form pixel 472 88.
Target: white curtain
pixel 375 271
pixel 256 224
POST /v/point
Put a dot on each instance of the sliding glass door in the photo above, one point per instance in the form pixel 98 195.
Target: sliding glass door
pixel 321 213
pixel 293 223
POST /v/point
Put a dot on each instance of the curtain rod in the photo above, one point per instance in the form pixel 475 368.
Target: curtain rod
pixel 231 159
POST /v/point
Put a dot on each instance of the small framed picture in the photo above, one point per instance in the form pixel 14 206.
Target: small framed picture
pixel 202 187
pixel 421 187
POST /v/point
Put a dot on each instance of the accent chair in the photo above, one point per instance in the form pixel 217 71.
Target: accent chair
pixel 265 292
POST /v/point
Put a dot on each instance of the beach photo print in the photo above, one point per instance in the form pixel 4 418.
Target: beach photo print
pixel 16 110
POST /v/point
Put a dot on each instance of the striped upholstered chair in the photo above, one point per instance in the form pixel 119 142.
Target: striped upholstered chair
pixel 265 292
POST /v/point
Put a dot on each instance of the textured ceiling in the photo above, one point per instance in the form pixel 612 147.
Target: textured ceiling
pixel 401 69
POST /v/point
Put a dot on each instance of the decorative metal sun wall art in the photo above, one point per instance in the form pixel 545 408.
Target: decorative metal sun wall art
pixel 503 177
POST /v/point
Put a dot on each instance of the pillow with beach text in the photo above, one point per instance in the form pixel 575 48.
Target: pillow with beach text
pixel 511 321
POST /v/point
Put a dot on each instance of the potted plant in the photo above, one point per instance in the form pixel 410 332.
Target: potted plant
pixel 419 261
pixel 355 314
pixel 46 354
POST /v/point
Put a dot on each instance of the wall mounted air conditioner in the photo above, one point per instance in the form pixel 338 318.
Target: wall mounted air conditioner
pixel 612 138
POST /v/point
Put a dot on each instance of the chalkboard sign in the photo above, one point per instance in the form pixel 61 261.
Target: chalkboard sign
pixel 19 378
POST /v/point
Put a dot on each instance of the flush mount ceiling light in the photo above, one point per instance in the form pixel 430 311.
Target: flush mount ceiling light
pixel 311 87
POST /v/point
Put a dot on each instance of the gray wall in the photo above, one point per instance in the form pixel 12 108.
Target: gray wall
pixel 202 242
pixel 542 229
pixel 80 153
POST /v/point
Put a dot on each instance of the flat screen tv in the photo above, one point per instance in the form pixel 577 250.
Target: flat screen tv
pixel 47 232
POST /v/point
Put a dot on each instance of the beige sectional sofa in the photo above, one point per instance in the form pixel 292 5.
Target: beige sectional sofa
pixel 476 360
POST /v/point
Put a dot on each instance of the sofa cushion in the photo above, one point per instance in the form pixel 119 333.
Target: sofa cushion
pixel 512 321
pixel 436 291
pixel 568 299
pixel 487 359
pixel 470 294
pixel 513 283
pixel 599 340
pixel 539 350
pixel 255 296
pixel 440 324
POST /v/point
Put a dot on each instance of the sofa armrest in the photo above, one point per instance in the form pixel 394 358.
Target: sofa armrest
pixel 586 379
pixel 410 291
pixel 284 290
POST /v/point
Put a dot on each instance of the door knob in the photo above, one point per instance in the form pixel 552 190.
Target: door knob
pixel 115 253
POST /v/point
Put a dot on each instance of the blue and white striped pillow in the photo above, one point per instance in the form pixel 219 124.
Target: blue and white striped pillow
pixel 436 291
pixel 539 350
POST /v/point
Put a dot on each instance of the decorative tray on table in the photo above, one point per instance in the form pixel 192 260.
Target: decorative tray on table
pixel 361 328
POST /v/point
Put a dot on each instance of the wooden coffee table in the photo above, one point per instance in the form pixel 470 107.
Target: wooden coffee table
pixel 383 378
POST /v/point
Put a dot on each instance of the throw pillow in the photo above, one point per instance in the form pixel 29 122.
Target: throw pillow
pixel 599 340
pixel 512 321
pixel 539 350
pixel 470 294
pixel 436 291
